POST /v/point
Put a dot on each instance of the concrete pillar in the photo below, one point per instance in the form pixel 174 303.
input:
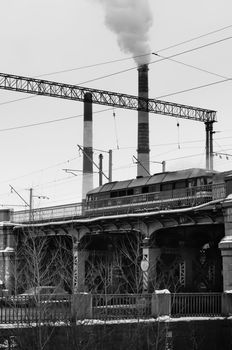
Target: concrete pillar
pixel 148 266
pixel 82 307
pixel 8 257
pixel 7 253
pixel 161 303
pixel 227 303
pixel 226 250
pixel 79 259
pixel 226 245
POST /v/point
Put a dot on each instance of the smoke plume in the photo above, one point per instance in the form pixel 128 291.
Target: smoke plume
pixel 131 21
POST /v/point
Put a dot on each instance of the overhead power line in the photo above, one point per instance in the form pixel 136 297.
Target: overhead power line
pixel 50 121
pixel 194 88
pixel 40 170
pixel 157 61
pixel 192 49
pixel 194 38
pixel 137 56
pixel 135 67
pixel 194 67
pixel 225 79
pixel 189 156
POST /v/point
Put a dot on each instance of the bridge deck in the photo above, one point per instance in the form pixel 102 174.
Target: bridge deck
pixel 123 205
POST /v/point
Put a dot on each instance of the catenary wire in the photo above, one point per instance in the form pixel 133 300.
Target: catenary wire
pixel 51 121
pixel 138 56
pixel 194 67
pixel 135 67
pixel 166 95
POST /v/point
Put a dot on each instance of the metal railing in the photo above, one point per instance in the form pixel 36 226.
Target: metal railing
pixel 25 309
pixel 196 304
pixel 49 213
pixel 121 306
pixel 177 198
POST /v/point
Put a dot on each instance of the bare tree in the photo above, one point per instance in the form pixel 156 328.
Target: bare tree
pixel 40 261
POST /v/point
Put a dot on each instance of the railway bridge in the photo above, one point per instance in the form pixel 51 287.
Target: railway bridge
pixel 184 249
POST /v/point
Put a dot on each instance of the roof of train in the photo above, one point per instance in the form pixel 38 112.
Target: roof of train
pixel 168 176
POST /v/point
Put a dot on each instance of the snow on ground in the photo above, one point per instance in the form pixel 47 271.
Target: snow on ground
pixel 88 322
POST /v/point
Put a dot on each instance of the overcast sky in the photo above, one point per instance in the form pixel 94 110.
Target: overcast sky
pixel 56 39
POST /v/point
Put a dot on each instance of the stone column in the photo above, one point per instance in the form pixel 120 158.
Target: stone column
pixel 79 259
pixel 161 303
pixel 148 265
pixel 226 250
pixel 7 252
pixel 226 243
pixel 8 257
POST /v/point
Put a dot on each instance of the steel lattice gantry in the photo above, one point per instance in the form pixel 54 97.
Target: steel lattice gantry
pixel 114 99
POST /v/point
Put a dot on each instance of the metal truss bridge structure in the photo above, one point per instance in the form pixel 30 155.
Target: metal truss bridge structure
pixel 102 97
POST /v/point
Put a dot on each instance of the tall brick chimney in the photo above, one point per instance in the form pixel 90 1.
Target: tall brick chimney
pixel 143 166
pixel 87 180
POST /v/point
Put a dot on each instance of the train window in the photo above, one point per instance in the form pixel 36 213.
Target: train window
pixel 200 181
pixel 192 182
pixel 145 189
pixel 122 193
pixel 180 184
pixel 166 187
pixel 114 194
pixel 130 192
pixel 154 188
pixel 104 195
pixel 137 190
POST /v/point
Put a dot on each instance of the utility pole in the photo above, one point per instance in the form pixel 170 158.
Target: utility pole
pixel 110 165
pixel 209 144
pixel 31 203
pixel 100 169
pixel 141 165
pixel 14 190
pixel 163 166
pixel 83 151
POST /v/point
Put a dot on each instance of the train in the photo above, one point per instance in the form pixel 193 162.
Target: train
pixel 161 191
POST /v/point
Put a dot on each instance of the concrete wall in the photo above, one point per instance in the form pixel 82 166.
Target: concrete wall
pixel 177 335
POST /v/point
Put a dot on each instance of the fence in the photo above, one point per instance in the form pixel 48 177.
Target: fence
pixel 60 212
pixel 196 304
pixel 121 306
pixel 25 309
pixel 18 310
pixel 173 199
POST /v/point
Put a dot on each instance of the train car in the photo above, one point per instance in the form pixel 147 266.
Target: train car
pixel 162 191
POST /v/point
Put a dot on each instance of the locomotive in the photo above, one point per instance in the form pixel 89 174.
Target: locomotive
pixel 161 191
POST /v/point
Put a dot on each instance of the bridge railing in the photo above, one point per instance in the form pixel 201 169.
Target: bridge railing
pixel 48 213
pixel 121 306
pixel 196 304
pixel 176 198
pixel 24 309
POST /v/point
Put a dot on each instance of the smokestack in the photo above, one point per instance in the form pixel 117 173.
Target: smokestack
pixel 143 165
pixel 87 180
